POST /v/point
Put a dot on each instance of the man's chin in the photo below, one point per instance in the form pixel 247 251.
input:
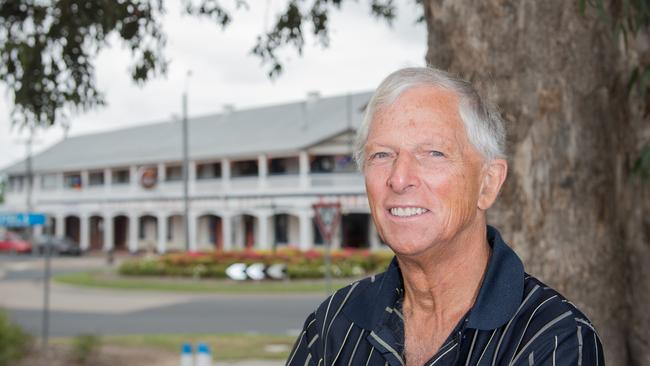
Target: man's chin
pixel 410 249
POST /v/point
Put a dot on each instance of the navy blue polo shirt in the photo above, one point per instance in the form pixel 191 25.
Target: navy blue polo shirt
pixel 516 320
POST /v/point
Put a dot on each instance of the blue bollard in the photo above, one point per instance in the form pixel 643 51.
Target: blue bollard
pixel 203 356
pixel 187 356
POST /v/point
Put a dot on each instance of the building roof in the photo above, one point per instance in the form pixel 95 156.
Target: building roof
pixel 274 129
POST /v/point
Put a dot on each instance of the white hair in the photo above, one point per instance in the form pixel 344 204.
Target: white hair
pixel 483 124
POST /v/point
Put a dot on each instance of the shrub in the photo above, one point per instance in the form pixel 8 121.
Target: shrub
pixel 85 347
pixel 14 342
pixel 300 265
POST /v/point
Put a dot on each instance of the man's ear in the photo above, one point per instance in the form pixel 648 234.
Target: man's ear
pixel 494 175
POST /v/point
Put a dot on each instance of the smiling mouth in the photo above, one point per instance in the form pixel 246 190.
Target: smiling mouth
pixel 407 211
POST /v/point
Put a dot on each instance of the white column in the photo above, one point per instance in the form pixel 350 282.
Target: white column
pixel 84 228
pixel 108 179
pixel 192 227
pixel 225 173
pixel 262 170
pixel 306 229
pixel 161 174
pixel 238 232
pixel 84 180
pixel 59 181
pixel 262 235
pixel 59 229
pixel 303 163
pixel 133 233
pixel 108 232
pixel 133 178
pixel 226 230
pixel 162 233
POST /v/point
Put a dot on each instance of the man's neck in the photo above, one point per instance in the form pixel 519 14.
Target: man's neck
pixel 445 281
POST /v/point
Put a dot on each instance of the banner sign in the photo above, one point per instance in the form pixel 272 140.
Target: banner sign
pixel 21 219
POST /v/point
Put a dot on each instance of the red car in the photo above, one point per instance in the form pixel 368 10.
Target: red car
pixel 12 242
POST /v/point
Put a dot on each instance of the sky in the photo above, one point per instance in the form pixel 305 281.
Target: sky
pixel 362 51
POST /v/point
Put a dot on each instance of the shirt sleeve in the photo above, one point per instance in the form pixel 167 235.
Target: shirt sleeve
pixel 301 355
pixel 578 346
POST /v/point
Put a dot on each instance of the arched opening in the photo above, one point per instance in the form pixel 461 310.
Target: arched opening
pixel 120 232
pixel 286 230
pixel 355 228
pixel 209 232
pixel 175 233
pixel 72 228
pixel 244 229
pixel 96 232
pixel 147 232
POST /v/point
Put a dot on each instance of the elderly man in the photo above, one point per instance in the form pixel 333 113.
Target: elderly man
pixel 432 153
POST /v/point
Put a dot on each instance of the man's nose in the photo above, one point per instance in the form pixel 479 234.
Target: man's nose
pixel 404 174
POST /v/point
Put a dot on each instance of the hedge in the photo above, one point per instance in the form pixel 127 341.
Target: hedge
pixel 300 265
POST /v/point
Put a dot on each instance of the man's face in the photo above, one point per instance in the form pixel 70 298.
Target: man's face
pixel 422 175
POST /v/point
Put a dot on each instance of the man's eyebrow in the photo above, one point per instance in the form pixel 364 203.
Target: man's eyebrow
pixel 376 145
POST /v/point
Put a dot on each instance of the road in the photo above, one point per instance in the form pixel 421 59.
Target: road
pixel 111 312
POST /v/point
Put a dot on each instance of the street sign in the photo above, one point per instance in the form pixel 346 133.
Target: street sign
pixel 328 216
pixel 21 219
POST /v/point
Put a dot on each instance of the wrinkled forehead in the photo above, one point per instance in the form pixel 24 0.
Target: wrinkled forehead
pixel 421 106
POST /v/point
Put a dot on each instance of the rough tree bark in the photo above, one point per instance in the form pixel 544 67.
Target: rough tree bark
pixel 570 206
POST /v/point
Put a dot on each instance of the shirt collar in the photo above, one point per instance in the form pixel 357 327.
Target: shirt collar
pixel 502 288
pixel 498 299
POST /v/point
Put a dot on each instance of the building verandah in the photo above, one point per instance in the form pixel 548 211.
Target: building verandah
pixel 162 231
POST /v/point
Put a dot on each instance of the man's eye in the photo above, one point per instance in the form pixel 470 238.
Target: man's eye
pixel 435 153
pixel 379 155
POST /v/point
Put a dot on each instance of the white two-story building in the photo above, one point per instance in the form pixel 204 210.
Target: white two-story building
pixel 254 175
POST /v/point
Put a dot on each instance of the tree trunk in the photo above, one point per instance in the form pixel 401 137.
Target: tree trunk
pixel 571 207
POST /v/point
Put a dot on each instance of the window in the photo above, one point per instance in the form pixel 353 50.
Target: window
pixel 173 173
pixel 48 181
pixel 208 171
pixel 120 176
pixel 72 180
pixel 244 168
pixel 96 178
pixel 279 166
pixel 332 164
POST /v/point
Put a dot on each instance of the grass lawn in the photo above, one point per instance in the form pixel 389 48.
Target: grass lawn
pixel 224 347
pixel 110 280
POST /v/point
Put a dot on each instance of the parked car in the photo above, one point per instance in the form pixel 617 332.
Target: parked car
pixel 60 246
pixel 12 242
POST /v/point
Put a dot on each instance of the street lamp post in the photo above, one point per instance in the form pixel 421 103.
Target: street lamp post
pixel 186 203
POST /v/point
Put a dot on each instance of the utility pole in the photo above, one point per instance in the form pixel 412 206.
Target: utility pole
pixel 29 208
pixel 185 134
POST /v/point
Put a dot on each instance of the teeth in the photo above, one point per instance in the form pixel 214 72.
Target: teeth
pixel 407 211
